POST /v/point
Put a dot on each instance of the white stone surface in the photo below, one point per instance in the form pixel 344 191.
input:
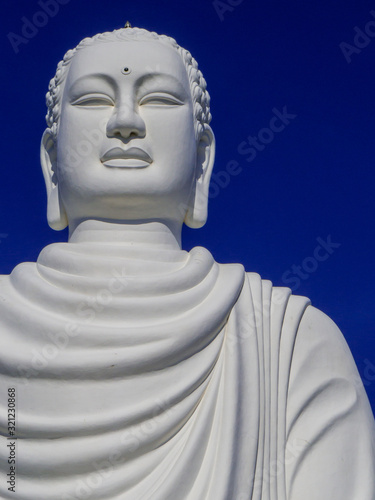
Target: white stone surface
pixel 143 371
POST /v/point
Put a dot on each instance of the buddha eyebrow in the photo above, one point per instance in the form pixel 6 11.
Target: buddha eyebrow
pixel 87 79
pixel 143 80
pixel 161 78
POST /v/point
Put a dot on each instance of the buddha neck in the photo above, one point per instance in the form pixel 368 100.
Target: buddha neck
pixel 148 234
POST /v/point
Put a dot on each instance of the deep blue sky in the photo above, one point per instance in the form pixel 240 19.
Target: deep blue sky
pixel 314 179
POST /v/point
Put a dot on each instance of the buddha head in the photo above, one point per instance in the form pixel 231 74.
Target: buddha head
pixel 128 135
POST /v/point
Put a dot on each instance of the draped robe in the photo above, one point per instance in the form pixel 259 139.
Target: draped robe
pixel 163 375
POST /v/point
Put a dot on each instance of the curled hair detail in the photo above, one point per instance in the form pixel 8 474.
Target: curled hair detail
pixel 198 86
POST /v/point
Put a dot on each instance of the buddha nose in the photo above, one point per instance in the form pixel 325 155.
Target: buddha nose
pixel 125 123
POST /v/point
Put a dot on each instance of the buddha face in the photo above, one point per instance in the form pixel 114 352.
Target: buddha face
pixel 126 147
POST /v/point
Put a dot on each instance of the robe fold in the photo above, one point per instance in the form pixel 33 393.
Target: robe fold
pixel 163 375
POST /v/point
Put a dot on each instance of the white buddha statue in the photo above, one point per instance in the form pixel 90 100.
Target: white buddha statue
pixel 144 372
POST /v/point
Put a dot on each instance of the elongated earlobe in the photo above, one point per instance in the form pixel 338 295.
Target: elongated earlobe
pixel 196 215
pixel 56 215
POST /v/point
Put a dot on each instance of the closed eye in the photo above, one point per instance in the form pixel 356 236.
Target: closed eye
pixel 160 99
pixel 94 100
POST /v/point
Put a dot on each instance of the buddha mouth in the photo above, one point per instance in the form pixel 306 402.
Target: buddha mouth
pixel 126 158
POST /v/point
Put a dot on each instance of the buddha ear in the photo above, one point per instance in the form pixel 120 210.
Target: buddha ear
pixel 56 215
pixel 196 215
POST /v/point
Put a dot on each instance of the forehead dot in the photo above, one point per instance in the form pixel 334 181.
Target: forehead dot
pixel 125 70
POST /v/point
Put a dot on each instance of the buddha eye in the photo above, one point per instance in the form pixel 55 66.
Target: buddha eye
pixel 94 100
pixel 160 99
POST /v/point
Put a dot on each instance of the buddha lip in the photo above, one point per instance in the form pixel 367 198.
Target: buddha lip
pixel 126 154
